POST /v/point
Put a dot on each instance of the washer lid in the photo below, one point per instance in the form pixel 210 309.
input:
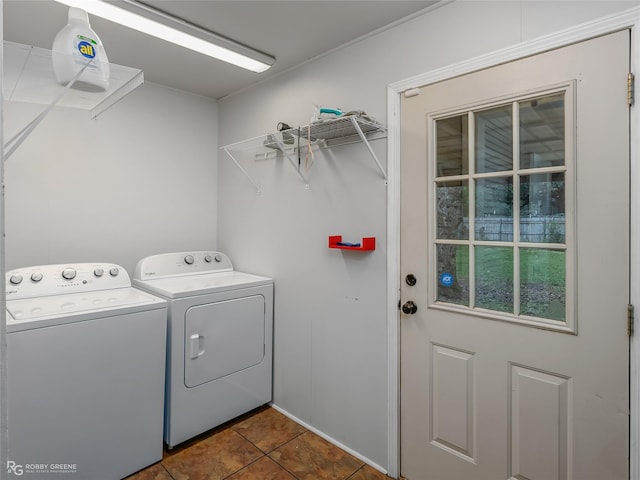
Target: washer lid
pixel 188 285
pixel 27 313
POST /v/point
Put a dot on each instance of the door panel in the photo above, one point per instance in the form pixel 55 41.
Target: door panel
pixel 540 419
pixel 515 223
pixel 454 405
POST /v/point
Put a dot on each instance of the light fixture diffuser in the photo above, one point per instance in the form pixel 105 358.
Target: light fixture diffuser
pixel 145 19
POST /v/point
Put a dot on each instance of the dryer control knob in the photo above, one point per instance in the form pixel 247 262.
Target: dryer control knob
pixel 218 258
pixel 68 273
pixel 207 258
pixel 114 272
pixel 36 277
pixel 15 279
pixel 188 259
pixel 98 272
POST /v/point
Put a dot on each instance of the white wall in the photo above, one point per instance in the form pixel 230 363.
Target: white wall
pixel 330 333
pixel 138 180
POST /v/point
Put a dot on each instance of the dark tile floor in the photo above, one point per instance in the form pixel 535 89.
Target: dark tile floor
pixel 262 445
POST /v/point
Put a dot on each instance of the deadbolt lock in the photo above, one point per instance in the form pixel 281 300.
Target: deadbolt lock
pixel 411 279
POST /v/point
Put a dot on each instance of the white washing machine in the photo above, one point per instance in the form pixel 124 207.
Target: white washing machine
pixel 219 350
pixel 85 373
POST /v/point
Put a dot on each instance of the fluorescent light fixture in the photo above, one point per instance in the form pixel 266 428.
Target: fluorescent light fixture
pixel 153 22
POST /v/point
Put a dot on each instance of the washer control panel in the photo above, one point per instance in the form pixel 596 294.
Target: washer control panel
pixel 182 263
pixel 46 280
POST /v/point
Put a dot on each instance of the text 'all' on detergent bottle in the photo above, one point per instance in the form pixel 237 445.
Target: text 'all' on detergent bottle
pixel 76 45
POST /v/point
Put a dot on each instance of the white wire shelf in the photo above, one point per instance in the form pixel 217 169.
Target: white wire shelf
pixel 341 128
pixel 296 142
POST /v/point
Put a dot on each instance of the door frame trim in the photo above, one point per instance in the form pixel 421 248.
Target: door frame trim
pixel 628 19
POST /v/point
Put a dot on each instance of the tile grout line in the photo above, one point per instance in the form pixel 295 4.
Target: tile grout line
pixel 357 470
pixel 285 468
pixel 275 448
pixel 266 454
pixel 266 432
pixel 166 470
pixel 280 446
pixel 245 466
pixel 362 466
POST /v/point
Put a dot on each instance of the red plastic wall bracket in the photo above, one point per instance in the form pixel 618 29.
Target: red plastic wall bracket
pixel 367 244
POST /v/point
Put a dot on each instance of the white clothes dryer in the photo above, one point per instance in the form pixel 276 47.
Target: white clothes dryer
pixel 85 372
pixel 220 348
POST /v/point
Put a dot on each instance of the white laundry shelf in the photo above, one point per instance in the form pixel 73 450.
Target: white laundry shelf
pixel 28 77
pixel 295 143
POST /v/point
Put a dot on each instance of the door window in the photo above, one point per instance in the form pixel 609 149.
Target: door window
pixel 501 177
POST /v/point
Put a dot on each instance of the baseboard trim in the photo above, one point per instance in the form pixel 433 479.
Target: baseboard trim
pixel 329 439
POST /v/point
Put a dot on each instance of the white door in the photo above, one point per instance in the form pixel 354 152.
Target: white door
pixel 515 270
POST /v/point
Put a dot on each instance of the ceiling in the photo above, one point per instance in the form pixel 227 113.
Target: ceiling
pixel 293 31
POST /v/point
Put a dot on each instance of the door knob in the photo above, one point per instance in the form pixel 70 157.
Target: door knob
pixel 409 308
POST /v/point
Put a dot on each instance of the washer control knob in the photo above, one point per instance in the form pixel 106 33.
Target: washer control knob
pixel 68 274
pixel 114 272
pixel 188 259
pixel 15 279
pixel 36 277
pixel 98 272
pixel 207 258
pixel 218 258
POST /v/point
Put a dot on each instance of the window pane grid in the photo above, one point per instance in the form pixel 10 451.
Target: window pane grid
pixel 472 209
pixel 516 209
pixel 498 245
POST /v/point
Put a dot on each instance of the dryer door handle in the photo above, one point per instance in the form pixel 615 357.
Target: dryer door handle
pixel 196 343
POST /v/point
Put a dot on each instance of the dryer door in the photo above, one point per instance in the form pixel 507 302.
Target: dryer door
pixel 222 338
